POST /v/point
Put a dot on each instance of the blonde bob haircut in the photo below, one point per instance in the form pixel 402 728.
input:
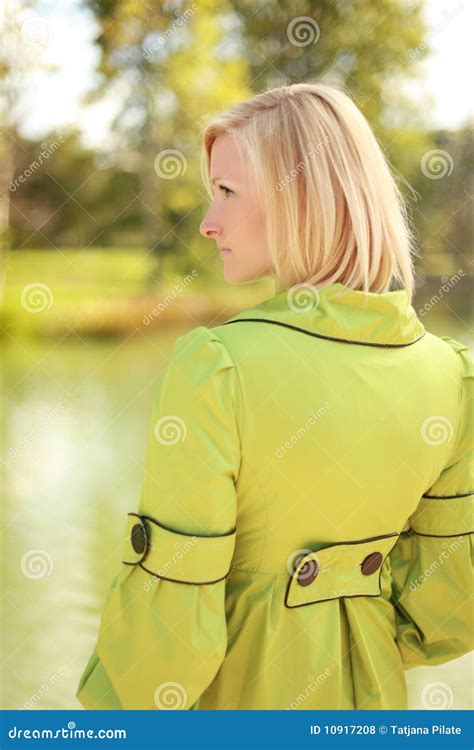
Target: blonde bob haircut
pixel 334 212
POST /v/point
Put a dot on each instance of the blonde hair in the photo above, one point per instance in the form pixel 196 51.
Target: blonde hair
pixel 334 212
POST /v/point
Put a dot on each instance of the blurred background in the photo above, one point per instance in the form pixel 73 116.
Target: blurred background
pixel 102 106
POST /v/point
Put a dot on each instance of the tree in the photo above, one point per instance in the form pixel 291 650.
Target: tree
pixel 164 58
pixel 24 35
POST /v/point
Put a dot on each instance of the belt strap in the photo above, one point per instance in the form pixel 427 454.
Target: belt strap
pixel 340 570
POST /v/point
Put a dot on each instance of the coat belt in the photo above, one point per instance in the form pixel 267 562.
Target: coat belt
pixel 341 570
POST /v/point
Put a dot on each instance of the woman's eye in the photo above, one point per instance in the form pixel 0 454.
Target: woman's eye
pixel 227 191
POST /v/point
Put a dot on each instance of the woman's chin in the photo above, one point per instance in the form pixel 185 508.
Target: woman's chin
pixel 234 278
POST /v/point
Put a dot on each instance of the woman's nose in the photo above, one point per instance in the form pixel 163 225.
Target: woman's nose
pixel 209 227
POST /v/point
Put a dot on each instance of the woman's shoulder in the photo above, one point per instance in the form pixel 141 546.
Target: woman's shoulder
pixel 463 353
pixel 200 353
pixel 462 374
pixel 445 350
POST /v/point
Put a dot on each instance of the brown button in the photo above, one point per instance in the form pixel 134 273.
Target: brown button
pixel 371 563
pixel 138 538
pixel 308 572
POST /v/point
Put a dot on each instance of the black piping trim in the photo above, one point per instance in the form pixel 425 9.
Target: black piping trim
pixel 444 536
pixel 320 335
pixel 182 533
pixel 187 583
pixel 175 580
pixel 350 596
pixel 448 497
pixel 357 541
pixel 332 598
pixel 145 518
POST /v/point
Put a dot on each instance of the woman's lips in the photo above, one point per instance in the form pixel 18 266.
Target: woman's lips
pixel 225 250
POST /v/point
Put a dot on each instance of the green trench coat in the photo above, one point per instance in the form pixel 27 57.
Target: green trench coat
pixel 303 534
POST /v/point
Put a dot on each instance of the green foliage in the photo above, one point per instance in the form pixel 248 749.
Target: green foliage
pixel 108 292
pixel 176 64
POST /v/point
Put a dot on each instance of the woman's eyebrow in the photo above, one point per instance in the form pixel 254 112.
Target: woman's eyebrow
pixel 225 179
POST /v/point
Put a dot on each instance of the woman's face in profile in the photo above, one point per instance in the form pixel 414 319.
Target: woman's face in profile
pixel 236 219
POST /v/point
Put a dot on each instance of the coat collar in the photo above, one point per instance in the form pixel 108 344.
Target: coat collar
pixel 338 313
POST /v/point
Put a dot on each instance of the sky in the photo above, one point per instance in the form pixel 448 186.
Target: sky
pixel 62 34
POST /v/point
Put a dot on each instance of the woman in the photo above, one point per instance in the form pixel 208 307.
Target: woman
pixel 302 536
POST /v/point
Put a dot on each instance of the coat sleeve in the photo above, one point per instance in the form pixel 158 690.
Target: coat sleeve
pixel 162 635
pixel 432 561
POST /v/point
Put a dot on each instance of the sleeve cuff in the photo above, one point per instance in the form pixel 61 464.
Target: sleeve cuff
pixel 174 556
pixel 443 516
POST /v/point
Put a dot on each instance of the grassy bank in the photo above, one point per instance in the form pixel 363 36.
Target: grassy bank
pixel 109 292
